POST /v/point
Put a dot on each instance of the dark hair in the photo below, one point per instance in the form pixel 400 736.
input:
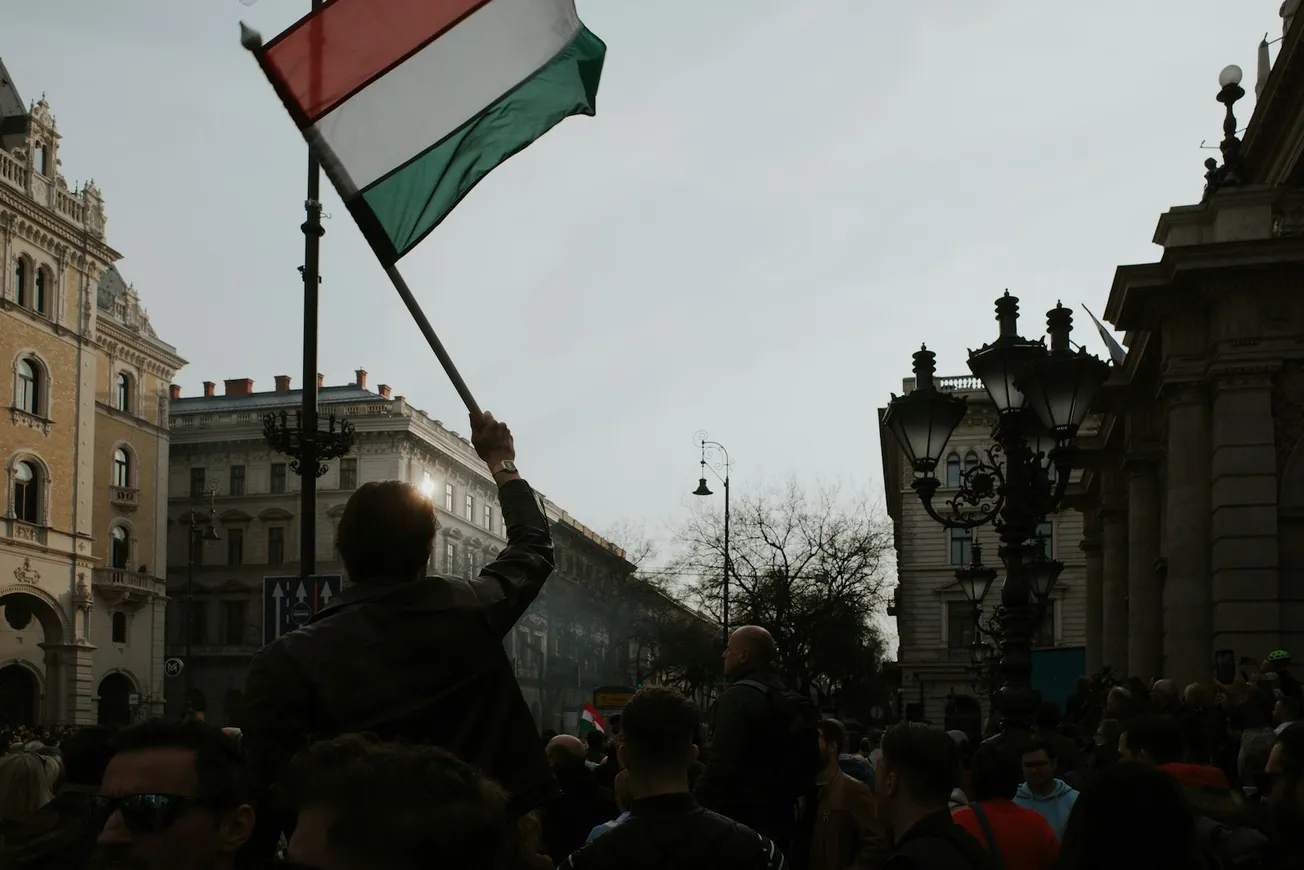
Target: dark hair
pixel 658 728
pixel 219 767
pixel 1048 716
pixel 387 531
pixel 994 774
pixel 86 752
pixel 596 739
pixel 1159 737
pixel 834 733
pixel 1038 746
pixel 1292 706
pixel 924 758
pixel 1138 805
pixel 396 805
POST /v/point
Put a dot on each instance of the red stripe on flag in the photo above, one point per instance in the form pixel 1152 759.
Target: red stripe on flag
pixel 354 42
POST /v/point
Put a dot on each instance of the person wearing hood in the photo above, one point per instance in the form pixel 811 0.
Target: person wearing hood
pixel 1042 791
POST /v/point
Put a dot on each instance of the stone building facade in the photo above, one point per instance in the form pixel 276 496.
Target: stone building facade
pixel 1194 489
pixel 568 643
pixel 85 448
pixel 935 623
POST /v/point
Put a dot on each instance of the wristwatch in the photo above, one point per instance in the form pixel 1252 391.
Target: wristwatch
pixel 507 466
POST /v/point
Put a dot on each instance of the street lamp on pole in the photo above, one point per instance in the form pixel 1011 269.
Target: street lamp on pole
pixel 704 490
pixel 1041 394
pixel 198 532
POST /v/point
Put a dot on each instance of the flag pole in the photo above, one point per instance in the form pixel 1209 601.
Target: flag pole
pixel 405 293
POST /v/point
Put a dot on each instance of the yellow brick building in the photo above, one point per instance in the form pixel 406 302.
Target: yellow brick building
pixel 85 449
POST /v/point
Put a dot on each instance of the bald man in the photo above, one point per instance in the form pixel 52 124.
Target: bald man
pixel 749 733
pixel 582 805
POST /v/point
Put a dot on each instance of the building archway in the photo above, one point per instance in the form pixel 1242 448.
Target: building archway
pixel 20 696
pixel 115 694
pixel 26 608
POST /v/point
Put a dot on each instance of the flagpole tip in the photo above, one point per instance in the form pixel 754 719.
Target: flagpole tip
pixel 250 38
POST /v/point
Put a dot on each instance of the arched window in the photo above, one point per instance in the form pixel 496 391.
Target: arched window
pixel 121 468
pixel 27 492
pixel 40 158
pixel 119 548
pixel 952 470
pixel 20 281
pixel 119 627
pixel 38 291
pixel 124 391
pixel 970 461
pixel 29 396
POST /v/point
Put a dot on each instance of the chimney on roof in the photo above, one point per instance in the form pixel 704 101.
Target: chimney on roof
pixel 239 386
pixel 282 383
pixel 362 378
pixel 209 387
pixel 174 391
pixel 320 379
pixel 384 391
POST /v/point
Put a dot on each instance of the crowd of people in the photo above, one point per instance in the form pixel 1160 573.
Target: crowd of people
pixel 390 733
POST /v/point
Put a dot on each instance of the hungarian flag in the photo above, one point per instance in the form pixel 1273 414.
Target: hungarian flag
pixel 591 718
pixel 409 103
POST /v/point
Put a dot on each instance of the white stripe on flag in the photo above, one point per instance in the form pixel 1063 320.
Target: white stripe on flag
pixel 1116 351
pixel 437 90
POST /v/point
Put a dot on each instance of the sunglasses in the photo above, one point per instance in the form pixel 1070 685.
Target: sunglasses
pixel 147 813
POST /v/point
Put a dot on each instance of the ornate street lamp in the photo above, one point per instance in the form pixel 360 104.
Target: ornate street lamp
pixel 1232 171
pixel 975 578
pixel 704 490
pixel 1042 396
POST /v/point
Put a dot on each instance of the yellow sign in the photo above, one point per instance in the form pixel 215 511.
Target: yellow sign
pixel 611 700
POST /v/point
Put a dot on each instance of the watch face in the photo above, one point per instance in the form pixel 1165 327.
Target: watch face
pixel 507 465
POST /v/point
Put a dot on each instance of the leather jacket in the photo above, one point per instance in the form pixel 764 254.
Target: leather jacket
pixel 421 661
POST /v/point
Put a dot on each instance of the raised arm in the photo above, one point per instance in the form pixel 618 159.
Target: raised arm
pixel 508 584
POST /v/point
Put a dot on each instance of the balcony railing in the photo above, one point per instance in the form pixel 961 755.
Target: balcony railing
pixel 30 532
pixel 959 656
pixel 961 383
pixel 122 586
pixel 125 497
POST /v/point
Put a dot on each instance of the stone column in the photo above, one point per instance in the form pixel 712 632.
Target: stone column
pixel 1095 579
pixel 1243 517
pixel 1188 616
pixel 1113 608
pixel 1145 615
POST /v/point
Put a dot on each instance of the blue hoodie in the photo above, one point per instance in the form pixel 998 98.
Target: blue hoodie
pixel 1054 807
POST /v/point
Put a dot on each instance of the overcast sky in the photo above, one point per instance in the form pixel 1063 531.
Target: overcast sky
pixel 776 203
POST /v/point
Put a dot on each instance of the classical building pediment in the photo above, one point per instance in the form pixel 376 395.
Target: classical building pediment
pixel 275 513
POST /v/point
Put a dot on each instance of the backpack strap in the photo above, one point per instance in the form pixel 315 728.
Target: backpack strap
pixel 986 825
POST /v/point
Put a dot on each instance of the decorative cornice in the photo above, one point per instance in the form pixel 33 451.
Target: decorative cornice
pixel 75 237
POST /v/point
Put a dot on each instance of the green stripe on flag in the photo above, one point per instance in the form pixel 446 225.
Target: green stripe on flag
pixel 413 201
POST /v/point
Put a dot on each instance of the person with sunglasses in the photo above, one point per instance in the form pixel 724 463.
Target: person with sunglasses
pixel 173 797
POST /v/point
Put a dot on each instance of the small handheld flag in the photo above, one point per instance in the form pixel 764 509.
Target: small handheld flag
pixel 591 717
pixel 409 104
pixel 1116 351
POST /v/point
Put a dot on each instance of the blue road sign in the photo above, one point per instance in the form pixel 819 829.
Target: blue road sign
pixel 289 602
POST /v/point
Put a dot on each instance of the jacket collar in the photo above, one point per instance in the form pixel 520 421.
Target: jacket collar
pixel 366 591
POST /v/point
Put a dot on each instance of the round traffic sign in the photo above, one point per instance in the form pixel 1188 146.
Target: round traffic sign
pixel 877 713
pixel 300 613
pixel 174 667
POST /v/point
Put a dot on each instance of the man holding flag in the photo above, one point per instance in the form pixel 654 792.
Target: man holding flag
pixel 406 656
